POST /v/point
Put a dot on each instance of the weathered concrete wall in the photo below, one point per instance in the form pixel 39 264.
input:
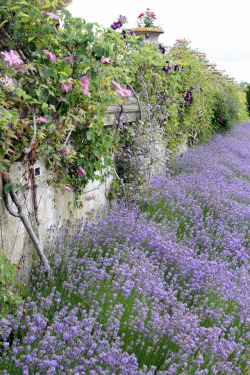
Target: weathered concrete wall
pixel 53 207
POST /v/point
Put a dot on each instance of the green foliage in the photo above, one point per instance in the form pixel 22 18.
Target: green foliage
pixel 184 99
pixel 8 296
pixel 29 31
pixel 227 108
pixel 248 98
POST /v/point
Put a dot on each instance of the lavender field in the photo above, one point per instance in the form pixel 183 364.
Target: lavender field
pixel 157 288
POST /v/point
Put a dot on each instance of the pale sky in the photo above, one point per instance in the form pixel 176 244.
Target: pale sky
pixel 219 28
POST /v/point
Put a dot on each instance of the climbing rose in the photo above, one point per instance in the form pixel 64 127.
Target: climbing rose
pixel 41 119
pixel 105 60
pixel 12 58
pixel 52 15
pixel 50 55
pixel 67 86
pixel 85 85
pixel 65 150
pixel 7 81
pixel 120 90
pixel 70 58
pixel 81 171
pixel 67 188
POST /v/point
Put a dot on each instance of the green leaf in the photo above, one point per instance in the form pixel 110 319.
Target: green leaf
pixel 8 188
pixel 89 26
pixel 8 114
pixel 22 14
pixel 89 135
pixel 116 138
pixel 31 38
pixel 20 92
pixel 1 24
pixel 18 186
pixel 62 75
pixel 2 153
pixel 68 70
pixel 47 72
pixel 3 165
pixel 99 51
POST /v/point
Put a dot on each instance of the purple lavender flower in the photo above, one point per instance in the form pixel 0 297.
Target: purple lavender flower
pixel 165 279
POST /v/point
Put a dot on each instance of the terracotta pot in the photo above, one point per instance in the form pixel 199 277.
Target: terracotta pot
pixel 153 33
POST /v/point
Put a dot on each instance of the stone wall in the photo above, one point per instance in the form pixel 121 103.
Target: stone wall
pixel 53 206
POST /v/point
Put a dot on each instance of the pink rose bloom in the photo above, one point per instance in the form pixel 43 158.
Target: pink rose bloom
pixel 67 86
pixel 81 171
pixel 105 60
pixel 50 55
pixel 126 93
pixel 12 58
pixel 67 188
pixel 121 91
pixel 66 150
pixel 117 85
pixel 7 81
pixel 244 87
pixel 85 85
pixel 70 58
pixel 41 119
pixel 21 68
pixel 52 15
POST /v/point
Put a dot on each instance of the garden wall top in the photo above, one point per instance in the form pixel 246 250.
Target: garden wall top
pixel 130 113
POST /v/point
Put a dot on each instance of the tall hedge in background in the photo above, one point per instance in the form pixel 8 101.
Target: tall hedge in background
pixel 248 98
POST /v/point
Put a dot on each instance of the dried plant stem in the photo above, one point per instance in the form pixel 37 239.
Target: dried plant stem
pixel 122 184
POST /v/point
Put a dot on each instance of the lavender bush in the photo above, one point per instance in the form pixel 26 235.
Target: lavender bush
pixel 156 288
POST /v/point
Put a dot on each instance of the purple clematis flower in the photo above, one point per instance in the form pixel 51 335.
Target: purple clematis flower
pixel 166 68
pixel 162 49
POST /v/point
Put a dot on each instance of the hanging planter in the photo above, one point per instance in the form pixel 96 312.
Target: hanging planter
pixel 151 34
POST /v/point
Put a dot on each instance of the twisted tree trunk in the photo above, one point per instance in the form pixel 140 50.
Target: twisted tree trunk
pixel 23 215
